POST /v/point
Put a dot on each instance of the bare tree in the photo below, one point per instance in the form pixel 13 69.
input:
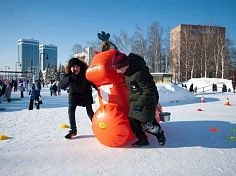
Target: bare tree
pixel 139 43
pixel 231 53
pixel 96 45
pixel 194 53
pixel 188 42
pixel 77 48
pixel 165 43
pixel 222 51
pixel 175 54
pixel 208 44
pixel 216 57
pixel 154 46
pixel 201 49
pixel 123 42
pixel 206 41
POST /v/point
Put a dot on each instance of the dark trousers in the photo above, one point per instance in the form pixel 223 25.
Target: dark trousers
pixel 136 127
pixel 31 104
pixel 71 113
pixel 21 94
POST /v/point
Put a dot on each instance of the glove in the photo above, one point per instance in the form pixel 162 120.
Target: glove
pixel 138 108
pixel 103 36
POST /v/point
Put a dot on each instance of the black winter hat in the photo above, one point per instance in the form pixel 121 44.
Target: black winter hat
pixel 74 61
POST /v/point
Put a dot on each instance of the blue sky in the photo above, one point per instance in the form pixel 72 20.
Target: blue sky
pixel 66 22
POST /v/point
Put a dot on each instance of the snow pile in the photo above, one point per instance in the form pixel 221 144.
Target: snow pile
pixel 170 93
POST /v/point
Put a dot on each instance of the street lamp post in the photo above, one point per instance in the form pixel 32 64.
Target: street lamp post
pixel 35 72
pixel 6 67
pixel 41 66
pixel 17 63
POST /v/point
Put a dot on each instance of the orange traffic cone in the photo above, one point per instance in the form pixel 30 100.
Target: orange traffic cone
pixel 227 102
pixel 202 99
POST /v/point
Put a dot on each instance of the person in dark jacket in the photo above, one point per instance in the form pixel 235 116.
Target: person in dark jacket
pixel 34 97
pixel 8 92
pixel 143 97
pixel 234 82
pixel 80 91
pixel 191 88
pixel 54 88
pixel 22 89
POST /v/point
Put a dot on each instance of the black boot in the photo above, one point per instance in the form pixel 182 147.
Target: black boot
pixel 141 142
pixel 71 134
pixel 154 128
pixel 161 137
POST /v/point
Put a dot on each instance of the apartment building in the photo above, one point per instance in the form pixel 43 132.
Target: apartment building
pixel 197 51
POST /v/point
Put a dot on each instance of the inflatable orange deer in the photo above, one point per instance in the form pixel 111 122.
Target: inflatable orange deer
pixel 110 122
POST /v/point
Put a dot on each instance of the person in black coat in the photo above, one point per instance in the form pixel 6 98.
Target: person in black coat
pixel 191 88
pixel 143 97
pixel 54 88
pixel 80 91
pixel 234 82
pixel 34 97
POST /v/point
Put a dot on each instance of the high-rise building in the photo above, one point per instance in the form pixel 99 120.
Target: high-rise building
pixel 197 51
pixel 28 54
pixel 35 58
pixel 48 56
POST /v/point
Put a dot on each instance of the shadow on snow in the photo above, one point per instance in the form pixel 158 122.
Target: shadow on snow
pixel 209 134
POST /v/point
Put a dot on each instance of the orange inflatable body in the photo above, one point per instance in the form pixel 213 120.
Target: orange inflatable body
pixel 110 122
pixel 111 126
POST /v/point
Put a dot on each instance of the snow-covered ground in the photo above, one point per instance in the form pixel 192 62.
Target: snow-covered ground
pixel 198 142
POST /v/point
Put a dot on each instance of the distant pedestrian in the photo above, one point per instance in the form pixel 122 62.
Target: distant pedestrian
pixel 8 92
pixel 22 89
pixel 195 89
pixel 214 87
pixel 58 90
pixel 51 90
pixel 14 83
pixel 191 88
pixel 224 88
pixel 39 85
pixel 54 88
pixel 1 90
pixel 234 82
pixel 34 98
